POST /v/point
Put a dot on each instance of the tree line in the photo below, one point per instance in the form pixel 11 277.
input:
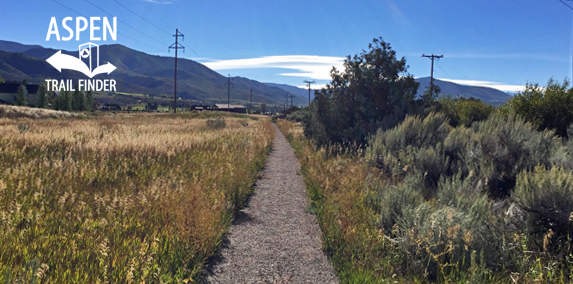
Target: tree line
pixel 65 100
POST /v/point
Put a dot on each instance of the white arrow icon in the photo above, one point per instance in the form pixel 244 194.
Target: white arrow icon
pixel 63 61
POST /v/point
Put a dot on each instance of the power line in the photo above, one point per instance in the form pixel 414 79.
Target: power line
pixel 193 51
pixel 123 22
pixel 440 66
pixel 159 17
pixel 141 17
pixel 122 34
pixel 151 24
pixel 571 8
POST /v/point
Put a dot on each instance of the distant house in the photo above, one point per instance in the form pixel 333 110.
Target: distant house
pixel 231 108
pixel 8 93
pixel 110 107
pixel 203 107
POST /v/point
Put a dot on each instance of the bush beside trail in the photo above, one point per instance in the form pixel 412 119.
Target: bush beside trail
pixel 426 201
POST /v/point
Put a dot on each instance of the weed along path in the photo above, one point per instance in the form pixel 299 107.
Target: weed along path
pixel 273 239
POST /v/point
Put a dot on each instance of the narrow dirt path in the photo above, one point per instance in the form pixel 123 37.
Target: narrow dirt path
pixel 273 239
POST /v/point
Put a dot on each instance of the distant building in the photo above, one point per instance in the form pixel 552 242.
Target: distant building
pixel 203 107
pixel 110 107
pixel 231 108
pixel 8 93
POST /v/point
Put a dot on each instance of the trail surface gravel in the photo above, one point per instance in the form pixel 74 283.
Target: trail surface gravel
pixel 273 239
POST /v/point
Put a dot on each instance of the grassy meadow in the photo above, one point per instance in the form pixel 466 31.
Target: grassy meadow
pixel 139 198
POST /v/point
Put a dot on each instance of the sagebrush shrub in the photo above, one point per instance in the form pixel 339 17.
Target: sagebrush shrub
pixel 563 155
pixel 413 131
pixel 455 146
pixel 440 237
pixel 546 197
pixel 392 201
pixel 414 146
pixel 298 116
pixel 501 147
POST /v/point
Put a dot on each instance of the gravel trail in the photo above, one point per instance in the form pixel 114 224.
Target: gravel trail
pixel 273 239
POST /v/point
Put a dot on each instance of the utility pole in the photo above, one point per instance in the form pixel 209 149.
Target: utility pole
pixel 229 84
pixel 432 57
pixel 251 102
pixel 176 46
pixel 309 82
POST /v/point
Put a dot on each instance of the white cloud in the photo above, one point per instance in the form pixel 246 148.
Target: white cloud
pixel 158 1
pixel 313 86
pixel 307 66
pixel 496 85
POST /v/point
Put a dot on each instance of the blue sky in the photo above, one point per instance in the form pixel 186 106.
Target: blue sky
pixel 503 44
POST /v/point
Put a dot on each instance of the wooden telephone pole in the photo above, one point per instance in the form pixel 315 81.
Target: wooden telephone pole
pixel 432 57
pixel 229 84
pixel 309 82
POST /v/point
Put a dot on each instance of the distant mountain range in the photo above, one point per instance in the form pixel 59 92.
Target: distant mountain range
pixel 485 94
pixel 138 72
pixel 294 90
pixel 488 95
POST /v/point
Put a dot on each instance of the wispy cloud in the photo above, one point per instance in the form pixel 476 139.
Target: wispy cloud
pixel 313 86
pixel 496 85
pixel 306 66
pixel 158 1
pixel 519 56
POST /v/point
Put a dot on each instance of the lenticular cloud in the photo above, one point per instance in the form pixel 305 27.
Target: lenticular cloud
pixel 307 66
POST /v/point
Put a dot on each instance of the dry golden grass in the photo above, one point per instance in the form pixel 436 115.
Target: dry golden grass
pixel 28 112
pixel 122 199
pixel 337 187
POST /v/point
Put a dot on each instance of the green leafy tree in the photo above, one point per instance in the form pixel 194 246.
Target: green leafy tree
pixel 152 106
pixel 89 101
pixel 78 100
pixel 42 95
pixel 463 111
pixel 264 108
pixel 1 80
pixel 68 99
pixel 63 101
pixel 25 82
pixel 21 98
pixel 547 108
pixel 429 97
pixel 374 90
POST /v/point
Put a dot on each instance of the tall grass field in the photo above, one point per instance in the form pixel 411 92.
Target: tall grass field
pixel 123 198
